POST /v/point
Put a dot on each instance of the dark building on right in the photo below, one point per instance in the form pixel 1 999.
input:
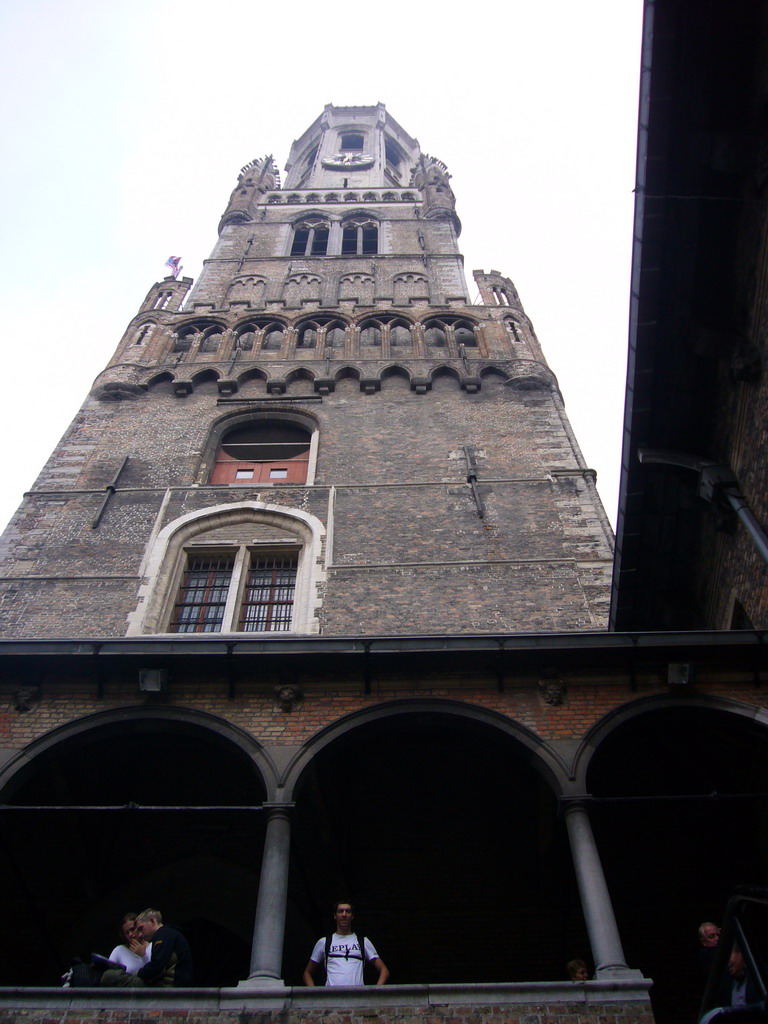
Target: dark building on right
pixel 696 440
pixel 690 546
pixel 691 552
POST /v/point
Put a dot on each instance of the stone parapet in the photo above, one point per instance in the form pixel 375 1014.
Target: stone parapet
pixel 620 1001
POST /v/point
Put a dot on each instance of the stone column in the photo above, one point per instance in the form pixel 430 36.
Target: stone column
pixel 269 927
pixel 595 899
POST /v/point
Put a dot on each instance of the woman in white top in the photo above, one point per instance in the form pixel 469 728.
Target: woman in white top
pixel 132 952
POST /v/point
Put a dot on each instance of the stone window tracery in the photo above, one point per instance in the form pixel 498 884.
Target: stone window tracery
pixel 360 238
pixel 310 238
pixel 311 333
pixel 269 333
pixel 449 333
pixel 382 330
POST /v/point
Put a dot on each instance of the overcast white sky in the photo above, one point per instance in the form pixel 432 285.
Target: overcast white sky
pixel 125 124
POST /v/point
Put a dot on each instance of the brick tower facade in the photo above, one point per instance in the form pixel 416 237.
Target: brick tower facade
pixel 305 606
pixel 323 435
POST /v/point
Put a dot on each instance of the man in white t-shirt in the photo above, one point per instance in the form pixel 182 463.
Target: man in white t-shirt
pixel 341 954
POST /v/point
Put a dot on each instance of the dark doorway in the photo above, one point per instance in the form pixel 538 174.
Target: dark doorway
pixel 449 844
pixel 698 829
pixel 69 875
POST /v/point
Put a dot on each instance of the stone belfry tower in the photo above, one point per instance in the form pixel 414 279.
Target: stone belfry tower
pixel 323 435
pixel 274 617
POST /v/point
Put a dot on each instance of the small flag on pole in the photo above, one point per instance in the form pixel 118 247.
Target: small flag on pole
pixel 174 262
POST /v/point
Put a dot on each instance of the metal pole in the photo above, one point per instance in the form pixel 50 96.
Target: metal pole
pixel 738 503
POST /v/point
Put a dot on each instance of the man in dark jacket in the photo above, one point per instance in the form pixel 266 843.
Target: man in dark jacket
pixel 171 963
pixel 171 955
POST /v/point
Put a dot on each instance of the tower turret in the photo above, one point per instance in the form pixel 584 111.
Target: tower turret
pixel 431 177
pixel 255 178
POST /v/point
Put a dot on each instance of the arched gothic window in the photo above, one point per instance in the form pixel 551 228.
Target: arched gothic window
pixel 399 333
pixel 451 333
pixel 247 566
pixel 370 333
pixel 307 336
pixel 464 334
pixel 435 334
pixel 272 338
pixel 360 238
pixel 246 337
pixel 310 238
pixel 182 340
pixel 263 451
pixel 335 334
pixel 211 340
pixel 310 333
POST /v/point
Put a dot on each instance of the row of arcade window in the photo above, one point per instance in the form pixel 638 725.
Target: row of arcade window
pixel 437 333
pixel 358 238
pixel 347 197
